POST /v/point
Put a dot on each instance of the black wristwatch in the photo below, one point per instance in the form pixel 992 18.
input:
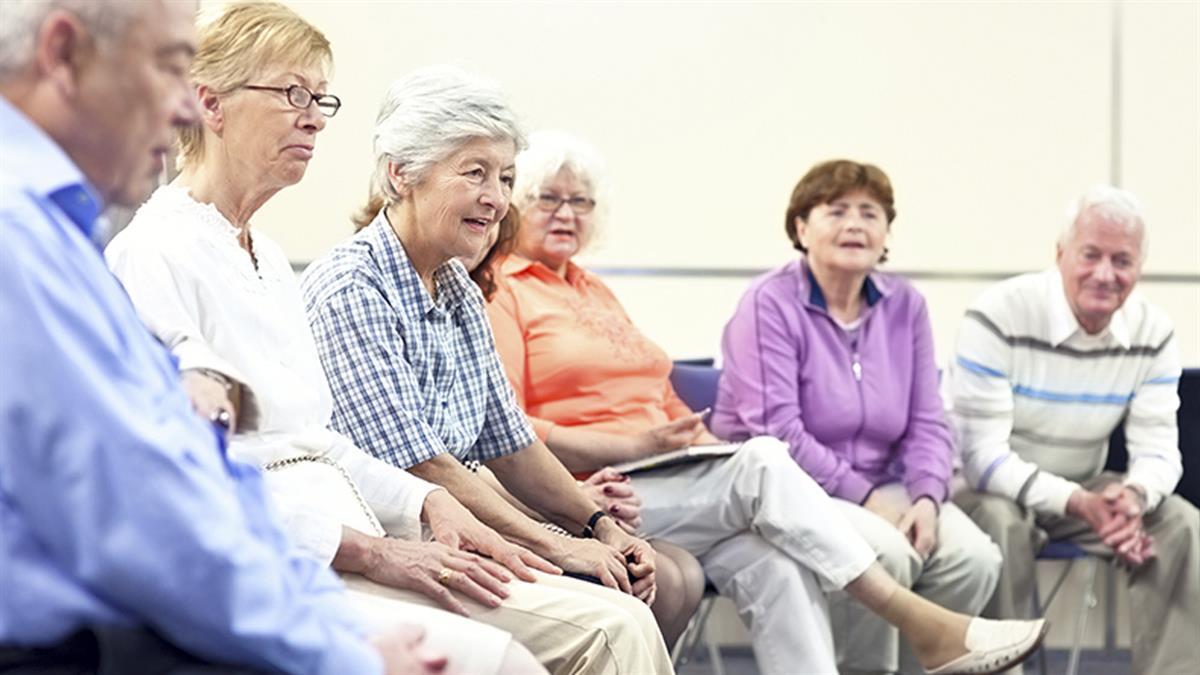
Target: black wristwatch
pixel 589 530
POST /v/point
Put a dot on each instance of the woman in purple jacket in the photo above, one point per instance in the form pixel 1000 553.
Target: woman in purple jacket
pixel 836 359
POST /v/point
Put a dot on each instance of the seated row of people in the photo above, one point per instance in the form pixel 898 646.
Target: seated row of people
pixel 380 365
pixel 410 373
pixel 835 358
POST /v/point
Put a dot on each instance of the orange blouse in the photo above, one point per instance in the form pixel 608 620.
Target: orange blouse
pixel 573 356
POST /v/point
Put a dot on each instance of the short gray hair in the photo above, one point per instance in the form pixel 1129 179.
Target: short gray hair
pixel 107 20
pixel 1111 203
pixel 550 152
pixel 428 114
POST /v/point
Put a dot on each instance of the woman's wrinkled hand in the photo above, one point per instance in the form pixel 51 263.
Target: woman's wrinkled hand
pixel 919 525
pixel 613 493
pixel 595 558
pixel 640 559
pixel 434 570
pixel 456 527
pixel 673 435
pixel 878 504
pixel 209 397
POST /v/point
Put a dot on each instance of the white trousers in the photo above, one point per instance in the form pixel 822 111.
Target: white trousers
pixel 569 626
pixel 960 574
pixel 769 538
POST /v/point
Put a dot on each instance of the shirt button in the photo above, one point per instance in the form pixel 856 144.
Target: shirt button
pixel 445 404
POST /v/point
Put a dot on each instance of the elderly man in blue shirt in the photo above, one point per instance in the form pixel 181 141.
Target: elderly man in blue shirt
pixel 120 512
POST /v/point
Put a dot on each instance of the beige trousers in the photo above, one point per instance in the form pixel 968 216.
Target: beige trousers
pixel 960 574
pixel 569 626
pixel 1164 594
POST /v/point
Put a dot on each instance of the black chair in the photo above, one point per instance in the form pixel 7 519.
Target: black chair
pixel 1188 419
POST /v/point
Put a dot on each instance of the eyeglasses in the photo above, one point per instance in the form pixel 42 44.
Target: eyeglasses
pixel 552 203
pixel 300 97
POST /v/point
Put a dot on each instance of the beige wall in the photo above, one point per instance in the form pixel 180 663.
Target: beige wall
pixel 989 117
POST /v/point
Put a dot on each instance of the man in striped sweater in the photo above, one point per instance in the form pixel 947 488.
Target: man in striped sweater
pixel 1047 365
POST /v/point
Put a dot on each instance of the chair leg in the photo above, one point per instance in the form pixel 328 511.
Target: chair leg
pixel 1040 609
pixel 686 644
pixel 1089 601
pixel 714 657
pixel 1110 607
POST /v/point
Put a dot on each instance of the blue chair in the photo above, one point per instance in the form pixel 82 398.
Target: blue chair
pixel 695 382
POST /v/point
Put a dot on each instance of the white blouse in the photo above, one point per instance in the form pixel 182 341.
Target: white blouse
pixel 200 293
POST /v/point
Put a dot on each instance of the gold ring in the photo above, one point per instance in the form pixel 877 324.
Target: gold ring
pixel 445 575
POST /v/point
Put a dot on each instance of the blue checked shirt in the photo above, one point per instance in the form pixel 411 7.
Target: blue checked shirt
pixel 117 503
pixel 412 377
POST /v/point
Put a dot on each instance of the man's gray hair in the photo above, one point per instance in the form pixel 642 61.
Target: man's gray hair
pixel 428 114
pixel 549 153
pixel 1111 203
pixel 21 20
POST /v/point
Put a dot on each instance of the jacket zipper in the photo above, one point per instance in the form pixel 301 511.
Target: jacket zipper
pixel 856 368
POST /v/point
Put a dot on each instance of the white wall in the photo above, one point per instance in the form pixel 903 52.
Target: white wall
pixel 988 117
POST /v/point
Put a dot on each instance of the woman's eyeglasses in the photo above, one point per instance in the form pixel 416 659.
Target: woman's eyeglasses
pixel 300 97
pixel 551 202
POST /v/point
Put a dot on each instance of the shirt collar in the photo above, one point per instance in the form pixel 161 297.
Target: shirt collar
pixel 874 289
pixel 46 169
pixel 1063 323
pixel 515 264
pixel 451 278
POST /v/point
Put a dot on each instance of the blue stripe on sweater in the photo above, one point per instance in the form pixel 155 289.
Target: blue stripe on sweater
pixel 1060 397
pixel 978 368
pixel 1168 379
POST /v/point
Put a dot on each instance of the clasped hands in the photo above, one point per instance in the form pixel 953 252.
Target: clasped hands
pixel 613 557
pixel 917 521
pixel 618 559
pixel 1115 515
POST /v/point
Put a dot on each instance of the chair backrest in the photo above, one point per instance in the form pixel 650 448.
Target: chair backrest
pixel 696 384
pixel 1188 419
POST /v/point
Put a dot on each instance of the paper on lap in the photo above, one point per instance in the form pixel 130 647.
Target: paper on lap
pixel 688 455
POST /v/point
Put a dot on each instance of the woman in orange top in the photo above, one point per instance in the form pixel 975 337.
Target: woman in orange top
pixel 680 579
pixel 597 392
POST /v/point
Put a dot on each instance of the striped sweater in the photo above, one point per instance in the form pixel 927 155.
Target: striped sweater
pixel 1035 397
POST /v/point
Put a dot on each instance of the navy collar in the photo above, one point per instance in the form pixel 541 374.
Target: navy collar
pixel 816 298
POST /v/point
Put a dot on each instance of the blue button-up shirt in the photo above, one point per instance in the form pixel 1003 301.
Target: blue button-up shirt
pixel 117 503
pixel 412 377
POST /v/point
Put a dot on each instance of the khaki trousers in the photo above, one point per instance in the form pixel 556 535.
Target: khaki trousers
pixel 569 626
pixel 960 574
pixel 1164 594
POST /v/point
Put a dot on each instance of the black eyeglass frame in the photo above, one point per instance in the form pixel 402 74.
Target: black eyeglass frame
pixel 293 90
pixel 575 203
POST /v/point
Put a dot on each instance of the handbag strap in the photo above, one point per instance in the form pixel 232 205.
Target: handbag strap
pixel 321 459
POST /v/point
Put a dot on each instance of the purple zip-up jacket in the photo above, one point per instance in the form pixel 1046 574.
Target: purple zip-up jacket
pixel 856 412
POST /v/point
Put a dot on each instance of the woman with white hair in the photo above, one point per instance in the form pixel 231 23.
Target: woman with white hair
pixel 598 393
pixel 401 332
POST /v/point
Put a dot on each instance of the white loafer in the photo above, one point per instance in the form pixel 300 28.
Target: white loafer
pixel 995 646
